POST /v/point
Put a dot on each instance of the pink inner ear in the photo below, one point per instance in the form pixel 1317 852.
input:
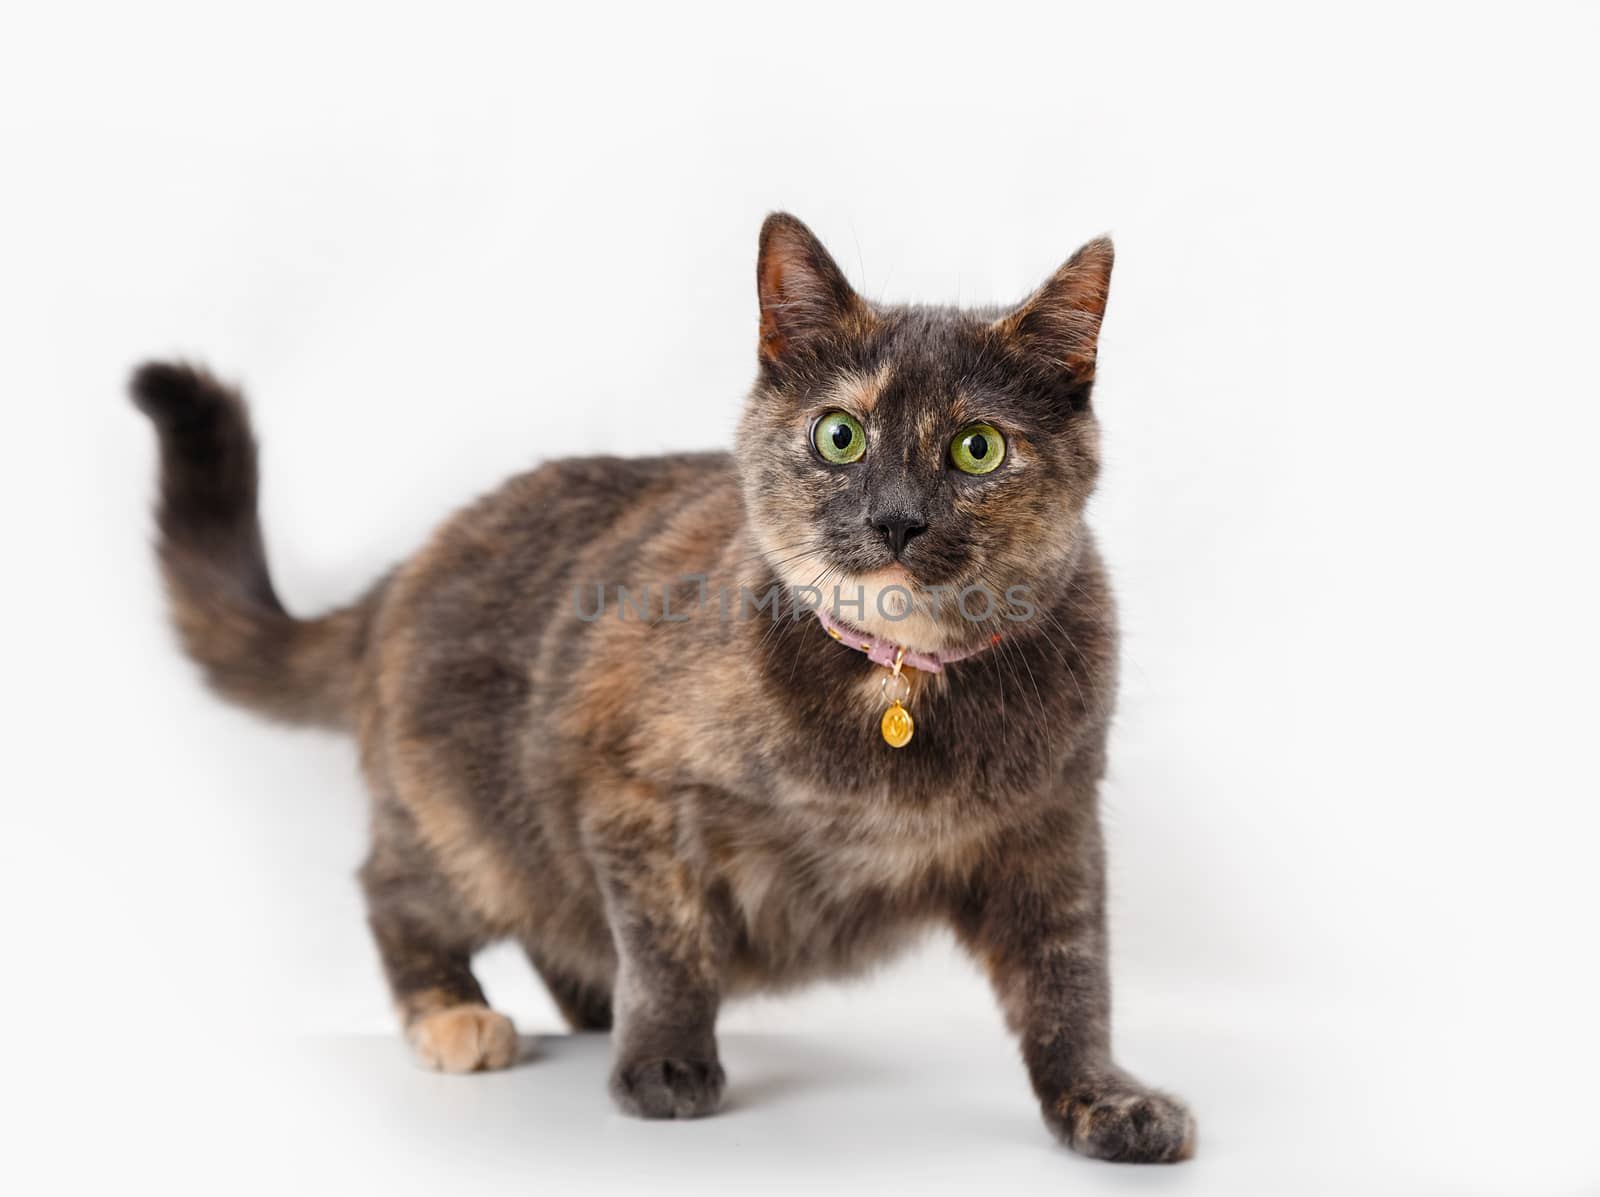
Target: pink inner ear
pixel 773 299
pixel 794 299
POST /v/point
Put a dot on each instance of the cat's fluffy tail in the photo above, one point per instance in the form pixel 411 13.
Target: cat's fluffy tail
pixel 223 604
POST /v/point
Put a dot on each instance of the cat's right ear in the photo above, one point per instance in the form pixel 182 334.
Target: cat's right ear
pixel 804 295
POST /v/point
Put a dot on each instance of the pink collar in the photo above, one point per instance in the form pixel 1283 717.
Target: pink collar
pixel 888 654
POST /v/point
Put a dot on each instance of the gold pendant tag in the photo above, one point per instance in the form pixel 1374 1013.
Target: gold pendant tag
pixel 897 726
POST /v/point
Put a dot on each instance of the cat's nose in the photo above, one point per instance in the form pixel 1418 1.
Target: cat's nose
pixel 899 528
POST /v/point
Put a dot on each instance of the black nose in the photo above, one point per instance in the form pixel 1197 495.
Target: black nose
pixel 899 529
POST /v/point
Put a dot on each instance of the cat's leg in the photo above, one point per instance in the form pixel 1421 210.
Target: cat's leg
pixel 669 954
pixel 585 1006
pixel 1037 922
pixel 426 940
pixel 447 1020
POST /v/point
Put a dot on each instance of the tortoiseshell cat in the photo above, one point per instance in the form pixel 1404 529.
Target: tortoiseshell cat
pixel 688 796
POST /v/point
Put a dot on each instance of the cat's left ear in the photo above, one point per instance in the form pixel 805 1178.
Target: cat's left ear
pixel 1059 324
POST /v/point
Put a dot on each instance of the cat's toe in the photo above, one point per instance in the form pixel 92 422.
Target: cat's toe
pixel 668 1088
pixel 1132 1126
pixel 465 1038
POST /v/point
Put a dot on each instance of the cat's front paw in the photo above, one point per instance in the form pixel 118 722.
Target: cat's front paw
pixel 464 1038
pixel 1124 1123
pixel 662 1087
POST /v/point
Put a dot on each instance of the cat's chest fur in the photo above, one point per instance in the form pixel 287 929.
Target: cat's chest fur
pixel 820 880
pixel 826 845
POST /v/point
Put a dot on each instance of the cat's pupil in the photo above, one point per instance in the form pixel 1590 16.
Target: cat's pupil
pixel 978 446
pixel 842 436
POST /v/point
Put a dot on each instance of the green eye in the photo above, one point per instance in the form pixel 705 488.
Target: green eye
pixel 840 438
pixel 977 449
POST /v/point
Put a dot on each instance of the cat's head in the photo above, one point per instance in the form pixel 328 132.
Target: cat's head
pixel 888 447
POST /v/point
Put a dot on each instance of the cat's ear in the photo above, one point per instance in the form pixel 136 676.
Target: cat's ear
pixel 1059 324
pixel 804 295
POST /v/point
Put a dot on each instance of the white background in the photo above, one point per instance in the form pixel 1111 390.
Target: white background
pixel 1348 391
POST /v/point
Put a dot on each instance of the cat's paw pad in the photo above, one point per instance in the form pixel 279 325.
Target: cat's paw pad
pixel 465 1038
pixel 1126 1125
pixel 668 1088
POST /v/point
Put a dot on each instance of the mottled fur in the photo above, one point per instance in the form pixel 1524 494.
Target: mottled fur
pixel 670 809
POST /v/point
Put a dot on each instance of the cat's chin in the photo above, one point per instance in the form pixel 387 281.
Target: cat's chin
pixel 889 604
